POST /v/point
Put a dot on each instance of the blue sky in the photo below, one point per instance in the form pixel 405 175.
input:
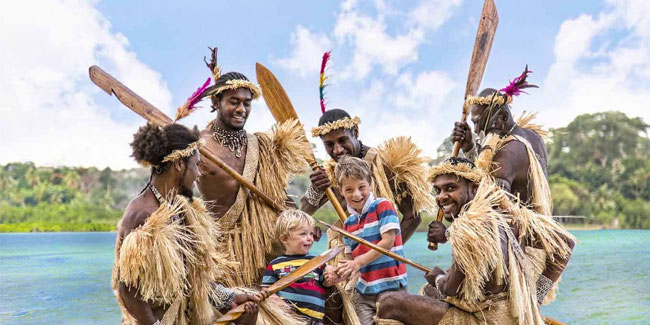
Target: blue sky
pixel 399 65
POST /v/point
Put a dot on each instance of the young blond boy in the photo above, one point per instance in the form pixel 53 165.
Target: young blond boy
pixel 375 220
pixel 294 229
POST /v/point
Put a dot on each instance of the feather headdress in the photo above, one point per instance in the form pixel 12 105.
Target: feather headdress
pixel 514 88
pixel 345 122
pixel 504 95
pixel 214 68
pixel 326 57
pixel 188 107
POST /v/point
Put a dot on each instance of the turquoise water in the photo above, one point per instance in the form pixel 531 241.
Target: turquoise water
pixel 64 278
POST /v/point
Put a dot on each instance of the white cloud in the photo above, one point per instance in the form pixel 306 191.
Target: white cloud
pixel 49 108
pixel 593 71
pixel 428 90
pixel 372 45
pixel 307 52
pixel 367 38
pixel 431 14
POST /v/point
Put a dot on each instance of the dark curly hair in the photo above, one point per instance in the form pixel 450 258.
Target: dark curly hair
pixel 221 81
pixel 152 143
pixel 332 115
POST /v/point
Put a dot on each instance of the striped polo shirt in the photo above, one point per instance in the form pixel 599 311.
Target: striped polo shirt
pixel 307 295
pixel 385 273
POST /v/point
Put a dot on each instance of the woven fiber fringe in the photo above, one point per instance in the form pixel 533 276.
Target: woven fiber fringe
pixel 537 259
pixel 173 261
pixel 523 304
pixel 541 191
pixel 282 153
pixel 491 313
pixel 540 229
pixel 491 144
pixel 542 200
pixel 524 121
pixel 151 257
pixel 476 241
pixel 345 289
pixel 407 167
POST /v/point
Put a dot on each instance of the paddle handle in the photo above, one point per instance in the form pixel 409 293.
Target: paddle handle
pixel 330 194
pixel 376 247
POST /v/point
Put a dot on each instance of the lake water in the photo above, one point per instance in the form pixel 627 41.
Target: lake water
pixel 64 278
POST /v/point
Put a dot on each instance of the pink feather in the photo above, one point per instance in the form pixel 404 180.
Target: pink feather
pixel 515 86
pixel 188 107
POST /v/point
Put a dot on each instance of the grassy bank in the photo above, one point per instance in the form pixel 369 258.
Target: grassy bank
pixel 55 227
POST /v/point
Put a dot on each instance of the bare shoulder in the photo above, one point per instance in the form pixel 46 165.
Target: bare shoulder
pixel 136 213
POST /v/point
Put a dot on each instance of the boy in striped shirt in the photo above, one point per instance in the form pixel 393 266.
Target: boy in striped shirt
pixel 375 220
pixel 294 229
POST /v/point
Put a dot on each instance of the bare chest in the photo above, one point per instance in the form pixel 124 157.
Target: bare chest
pixel 217 186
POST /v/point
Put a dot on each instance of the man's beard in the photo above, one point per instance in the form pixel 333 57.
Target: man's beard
pixel 183 190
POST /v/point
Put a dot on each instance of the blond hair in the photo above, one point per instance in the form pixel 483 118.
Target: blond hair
pixel 289 220
pixel 352 167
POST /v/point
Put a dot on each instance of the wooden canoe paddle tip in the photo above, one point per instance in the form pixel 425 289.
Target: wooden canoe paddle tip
pixel 433 246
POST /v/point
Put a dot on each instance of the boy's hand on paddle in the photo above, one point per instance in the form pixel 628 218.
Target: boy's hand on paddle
pixel 463 134
pixel 320 180
pixel 436 233
pixel 347 268
pixel 331 278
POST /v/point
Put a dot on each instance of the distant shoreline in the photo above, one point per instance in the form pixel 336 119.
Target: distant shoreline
pixel 31 227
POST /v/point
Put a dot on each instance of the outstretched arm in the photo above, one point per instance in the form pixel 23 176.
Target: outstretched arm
pixel 410 219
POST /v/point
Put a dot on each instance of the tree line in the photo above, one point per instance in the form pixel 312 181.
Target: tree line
pixel 599 167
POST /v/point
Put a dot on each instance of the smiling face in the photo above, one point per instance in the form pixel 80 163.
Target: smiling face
pixel 356 192
pixel 341 142
pixel 299 240
pixel 452 193
pixel 233 108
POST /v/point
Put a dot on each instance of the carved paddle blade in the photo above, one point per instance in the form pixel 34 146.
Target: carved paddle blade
pixel 487 28
pixel 125 95
pixel 274 95
pixel 292 277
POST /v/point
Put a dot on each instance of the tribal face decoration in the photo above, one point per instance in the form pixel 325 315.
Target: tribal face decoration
pixel 326 124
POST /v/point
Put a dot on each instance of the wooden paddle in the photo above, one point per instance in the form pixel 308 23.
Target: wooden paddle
pixel 282 109
pixel 487 28
pixel 153 115
pixel 375 247
pixel 290 278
